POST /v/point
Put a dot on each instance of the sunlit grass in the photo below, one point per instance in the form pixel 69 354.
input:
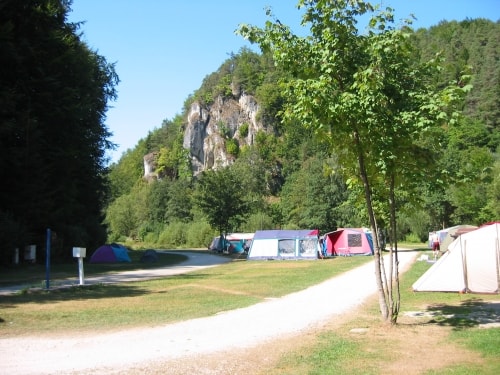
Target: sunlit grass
pixel 153 302
pixel 243 283
pixel 340 352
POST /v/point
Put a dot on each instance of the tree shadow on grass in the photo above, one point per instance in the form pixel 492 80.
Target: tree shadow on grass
pixel 470 313
pixel 90 291
pixel 75 293
pixel 33 273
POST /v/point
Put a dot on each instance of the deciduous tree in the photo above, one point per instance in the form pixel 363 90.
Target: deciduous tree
pixel 364 95
pixel 221 197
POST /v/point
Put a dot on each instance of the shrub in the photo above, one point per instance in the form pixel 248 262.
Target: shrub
pixel 412 238
pixel 232 147
pixel 174 235
pixel 243 130
pixel 200 235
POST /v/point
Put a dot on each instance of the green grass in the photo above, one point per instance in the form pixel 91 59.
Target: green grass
pixel 333 354
pixel 195 294
pixel 368 355
pixel 35 274
pixel 239 284
pixel 484 341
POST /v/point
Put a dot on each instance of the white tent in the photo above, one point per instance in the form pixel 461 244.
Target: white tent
pixel 471 264
pixel 448 235
pixel 284 244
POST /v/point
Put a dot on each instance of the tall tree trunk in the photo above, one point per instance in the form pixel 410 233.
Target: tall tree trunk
pixel 395 296
pixel 379 267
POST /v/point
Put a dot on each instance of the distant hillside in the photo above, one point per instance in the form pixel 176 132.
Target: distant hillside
pixel 472 43
pixel 234 120
pixel 243 91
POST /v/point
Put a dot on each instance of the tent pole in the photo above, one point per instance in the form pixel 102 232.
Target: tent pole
pixel 498 264
pixel 464 262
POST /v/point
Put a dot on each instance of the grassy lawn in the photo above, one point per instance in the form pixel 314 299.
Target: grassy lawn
pixel 195 294
pixel 445 339
pixel 441 338
pixel 34 275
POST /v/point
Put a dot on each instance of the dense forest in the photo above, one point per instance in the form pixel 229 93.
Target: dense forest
pixel 54 94
pixel 289 179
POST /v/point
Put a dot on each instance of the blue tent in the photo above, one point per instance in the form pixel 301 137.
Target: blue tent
pixel 110 254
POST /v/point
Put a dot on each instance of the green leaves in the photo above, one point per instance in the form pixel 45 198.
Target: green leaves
pixel 221 198
pixel 54 94
pixel 366 95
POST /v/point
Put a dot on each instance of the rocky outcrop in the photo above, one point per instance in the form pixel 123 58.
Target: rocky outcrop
pixel 150 165
pixel 209 128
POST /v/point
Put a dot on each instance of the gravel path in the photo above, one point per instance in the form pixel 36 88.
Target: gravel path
pixel 195 261
pixel 235 329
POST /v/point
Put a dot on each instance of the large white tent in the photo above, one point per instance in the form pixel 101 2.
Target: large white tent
pixel 471 264
pixel 284 244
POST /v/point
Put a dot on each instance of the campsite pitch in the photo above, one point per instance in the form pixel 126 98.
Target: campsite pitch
pixel 232 330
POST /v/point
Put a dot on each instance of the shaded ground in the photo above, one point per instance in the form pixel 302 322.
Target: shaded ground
pixel 195 261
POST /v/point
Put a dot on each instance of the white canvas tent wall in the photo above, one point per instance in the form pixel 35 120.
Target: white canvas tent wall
pixel 471 264
pixel 284 244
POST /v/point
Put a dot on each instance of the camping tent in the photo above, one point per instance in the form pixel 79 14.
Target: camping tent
pixel 348 241
pixel 448 235
pixel 110 254
pixel 240 241
pixel 235 243
pixel 471 264
pixel 284 244
pixel 149 256
pixel 217 244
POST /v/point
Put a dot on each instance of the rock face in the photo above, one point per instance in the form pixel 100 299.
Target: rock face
pixel 150 166
pixel 209 128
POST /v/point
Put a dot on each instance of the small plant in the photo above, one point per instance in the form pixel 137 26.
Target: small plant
pixel 243 130
pixel 232 147
pixel 224 130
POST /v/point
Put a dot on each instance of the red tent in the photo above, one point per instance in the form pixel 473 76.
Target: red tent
pixel 348 241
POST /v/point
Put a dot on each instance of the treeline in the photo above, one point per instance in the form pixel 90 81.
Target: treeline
pixel 54 93
pixel 286 176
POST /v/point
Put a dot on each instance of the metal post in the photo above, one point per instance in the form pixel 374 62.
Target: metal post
pixel 80 252
pixel 47 260
pixel 80 270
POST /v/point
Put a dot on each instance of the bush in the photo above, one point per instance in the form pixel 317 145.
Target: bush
pixel 200 235
pixel 12 235
pixel 413 238
pixel 173 236
pixel 151 238
pixel 232 147
pixel 243 130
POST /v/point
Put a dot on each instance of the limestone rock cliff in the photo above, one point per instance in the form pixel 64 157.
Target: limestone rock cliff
pixel 209 128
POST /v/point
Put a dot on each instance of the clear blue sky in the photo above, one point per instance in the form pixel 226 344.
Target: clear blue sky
pixel 164 48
